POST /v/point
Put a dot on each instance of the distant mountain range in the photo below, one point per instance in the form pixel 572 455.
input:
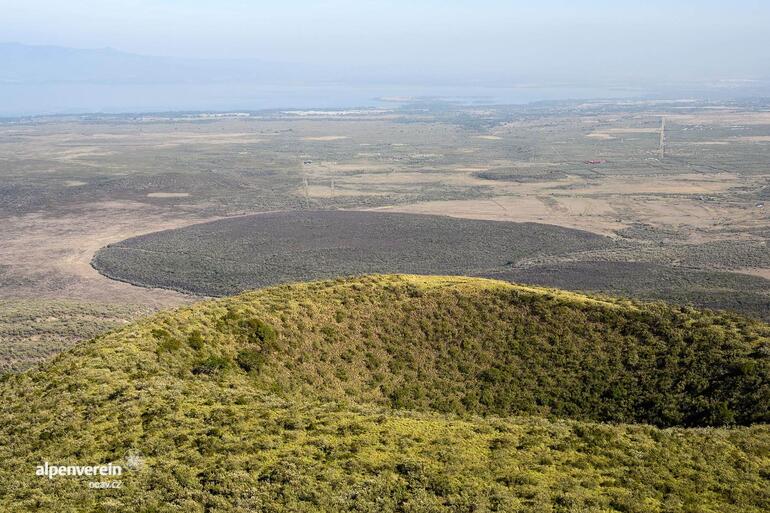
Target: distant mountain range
pixel 41 80
pixel 21 63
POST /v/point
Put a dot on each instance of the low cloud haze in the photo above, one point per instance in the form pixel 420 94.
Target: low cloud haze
pixel 650 47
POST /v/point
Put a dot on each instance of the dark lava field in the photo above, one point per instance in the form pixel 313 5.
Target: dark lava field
pixel 228 256
pixel 241 253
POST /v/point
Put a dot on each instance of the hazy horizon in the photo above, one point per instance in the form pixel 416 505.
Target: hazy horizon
pixel 368 49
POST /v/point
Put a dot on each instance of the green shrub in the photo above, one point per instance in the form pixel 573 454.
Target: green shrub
pixel 195 340
pixel 250 360
pixel 258 331
pixel 211 365
pixel 167 343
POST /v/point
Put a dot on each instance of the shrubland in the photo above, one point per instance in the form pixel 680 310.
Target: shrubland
pixel 402 393
pixel 32 330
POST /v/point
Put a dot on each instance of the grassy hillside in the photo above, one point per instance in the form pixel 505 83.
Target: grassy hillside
pixel 34 330
pixel 401 393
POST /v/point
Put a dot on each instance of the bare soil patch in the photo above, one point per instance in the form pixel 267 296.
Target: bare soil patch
pixel 325 138
pixel 168 194
pixel 46 257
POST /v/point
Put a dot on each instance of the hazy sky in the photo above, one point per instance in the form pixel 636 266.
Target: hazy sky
pixel 635 39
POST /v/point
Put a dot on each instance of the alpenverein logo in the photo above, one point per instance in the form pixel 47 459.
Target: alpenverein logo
pixel 51 471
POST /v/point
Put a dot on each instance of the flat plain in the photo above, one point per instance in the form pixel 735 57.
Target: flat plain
pixel 691 213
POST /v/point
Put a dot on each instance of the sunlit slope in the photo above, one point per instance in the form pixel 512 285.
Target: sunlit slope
pixel 402 393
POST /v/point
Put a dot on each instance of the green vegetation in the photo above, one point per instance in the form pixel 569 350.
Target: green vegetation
pixel 33 330
pixel 402 393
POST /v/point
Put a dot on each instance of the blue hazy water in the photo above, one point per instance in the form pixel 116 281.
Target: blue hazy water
pixel 71 98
